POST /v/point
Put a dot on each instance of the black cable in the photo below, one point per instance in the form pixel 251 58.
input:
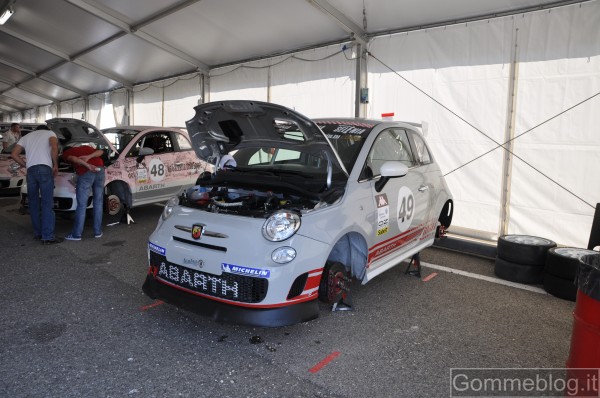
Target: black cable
pixel 498 145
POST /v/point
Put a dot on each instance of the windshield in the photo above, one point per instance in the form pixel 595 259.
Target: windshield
pixel 346 137
pixel 120 137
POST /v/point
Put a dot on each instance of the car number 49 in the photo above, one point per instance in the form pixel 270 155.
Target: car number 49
pixel 406 208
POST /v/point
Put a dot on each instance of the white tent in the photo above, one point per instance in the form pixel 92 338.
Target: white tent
pixel 506 88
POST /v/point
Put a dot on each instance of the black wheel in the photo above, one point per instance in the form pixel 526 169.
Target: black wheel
pixel 524 249
pixel 563 262
pixel 520 273
pixel 114 208
pixel 559 287
pixel 334 283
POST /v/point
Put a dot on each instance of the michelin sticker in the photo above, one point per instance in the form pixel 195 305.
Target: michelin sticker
pixel 157 249
pixel 406 208
pixel 383 214
pixel 237 269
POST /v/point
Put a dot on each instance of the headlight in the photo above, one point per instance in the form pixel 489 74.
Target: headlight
pixel 280 226
pixel 174 201
pixel 283 255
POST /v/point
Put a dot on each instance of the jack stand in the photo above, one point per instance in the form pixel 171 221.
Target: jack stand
pixel 416 261
pixel 342 305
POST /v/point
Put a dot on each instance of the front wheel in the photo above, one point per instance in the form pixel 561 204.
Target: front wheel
pixel 114 208
pixel 334 284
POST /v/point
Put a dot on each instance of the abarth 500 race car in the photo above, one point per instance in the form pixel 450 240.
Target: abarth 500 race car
pixel 143 165
pixel 294 210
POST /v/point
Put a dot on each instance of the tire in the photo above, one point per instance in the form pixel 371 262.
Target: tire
pixel 519 273
pixel 334 283
pixel 114 208
pixel 559 287
pixel 563 262
pixel 524 249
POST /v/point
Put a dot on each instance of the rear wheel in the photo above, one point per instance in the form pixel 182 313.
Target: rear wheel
pixel 334 283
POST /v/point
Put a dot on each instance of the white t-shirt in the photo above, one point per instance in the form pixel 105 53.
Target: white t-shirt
pixel 10 138
pixel 37 147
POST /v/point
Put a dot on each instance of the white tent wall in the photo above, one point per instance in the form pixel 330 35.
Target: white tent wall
pixel 316 83
pixel 181 96
pixel 245 82
pixel 72 109
pixel 559 67
pixel 147 105
pixel 95 107
pixel 120 105
pixel 168 102
pixel 465 68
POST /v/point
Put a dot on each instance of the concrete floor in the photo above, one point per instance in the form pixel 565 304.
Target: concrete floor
pixel 75 323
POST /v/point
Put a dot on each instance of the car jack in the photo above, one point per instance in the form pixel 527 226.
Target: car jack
pixel 344 303
pixel 416 261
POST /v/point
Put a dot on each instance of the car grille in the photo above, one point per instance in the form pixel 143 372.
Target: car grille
pixel 240 288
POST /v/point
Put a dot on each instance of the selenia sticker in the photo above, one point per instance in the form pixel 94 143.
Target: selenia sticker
pixel 157 170
pixel 406 208
pixel 383 214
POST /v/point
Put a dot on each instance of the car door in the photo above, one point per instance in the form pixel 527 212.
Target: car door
pixel 402 204
pixel 155 179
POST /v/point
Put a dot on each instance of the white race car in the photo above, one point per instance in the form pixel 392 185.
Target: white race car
pixel 303 207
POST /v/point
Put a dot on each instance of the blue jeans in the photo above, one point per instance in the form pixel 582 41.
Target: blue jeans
pixel 40 191
pixel 87 182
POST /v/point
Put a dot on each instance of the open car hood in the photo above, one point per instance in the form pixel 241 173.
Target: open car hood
pixel 72 131
pixel 221 127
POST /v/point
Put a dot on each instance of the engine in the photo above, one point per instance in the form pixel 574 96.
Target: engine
pixel 244 202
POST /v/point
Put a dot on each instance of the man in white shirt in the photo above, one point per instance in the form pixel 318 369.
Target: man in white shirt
pixel 11 137
pixel 41 147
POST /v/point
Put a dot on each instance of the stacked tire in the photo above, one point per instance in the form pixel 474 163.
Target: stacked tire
pixel 522 258
pixel 561 270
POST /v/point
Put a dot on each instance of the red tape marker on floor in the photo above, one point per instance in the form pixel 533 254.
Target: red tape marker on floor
pixel 324 362
pixel 155 304
pixel 430 277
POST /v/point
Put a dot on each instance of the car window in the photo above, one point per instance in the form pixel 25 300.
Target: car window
pixel 184 144
pixel 159 142
pixel 391 144
pixel 421 149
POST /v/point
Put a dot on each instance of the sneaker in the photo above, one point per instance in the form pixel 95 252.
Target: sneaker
pixel 71 237
pixel 98 235
pixel 52 241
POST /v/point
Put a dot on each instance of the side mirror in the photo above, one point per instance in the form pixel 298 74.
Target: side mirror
pixel 144 151
pixel 390 169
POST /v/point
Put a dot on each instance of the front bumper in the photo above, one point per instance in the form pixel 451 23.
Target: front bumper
pixel 225 312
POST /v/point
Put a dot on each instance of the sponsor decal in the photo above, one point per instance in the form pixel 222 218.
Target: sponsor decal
pixel 197 230
pixel 157 249
pixel 142 175
pixel 349 130
pixel 406 208
pixel 150 187
pixel 193 261
pixel 184 166
pixel 383 214
pixel 197 281
pixel 393 244
pixel 238 269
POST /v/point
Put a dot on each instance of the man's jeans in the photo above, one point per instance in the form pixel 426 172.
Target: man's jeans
pixel 40 189
pixel 86 182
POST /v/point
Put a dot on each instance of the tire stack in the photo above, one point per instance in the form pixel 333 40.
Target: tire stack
pixel 522 258
pixel 561 270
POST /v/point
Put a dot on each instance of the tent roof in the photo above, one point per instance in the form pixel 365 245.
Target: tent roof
pixel 55 50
